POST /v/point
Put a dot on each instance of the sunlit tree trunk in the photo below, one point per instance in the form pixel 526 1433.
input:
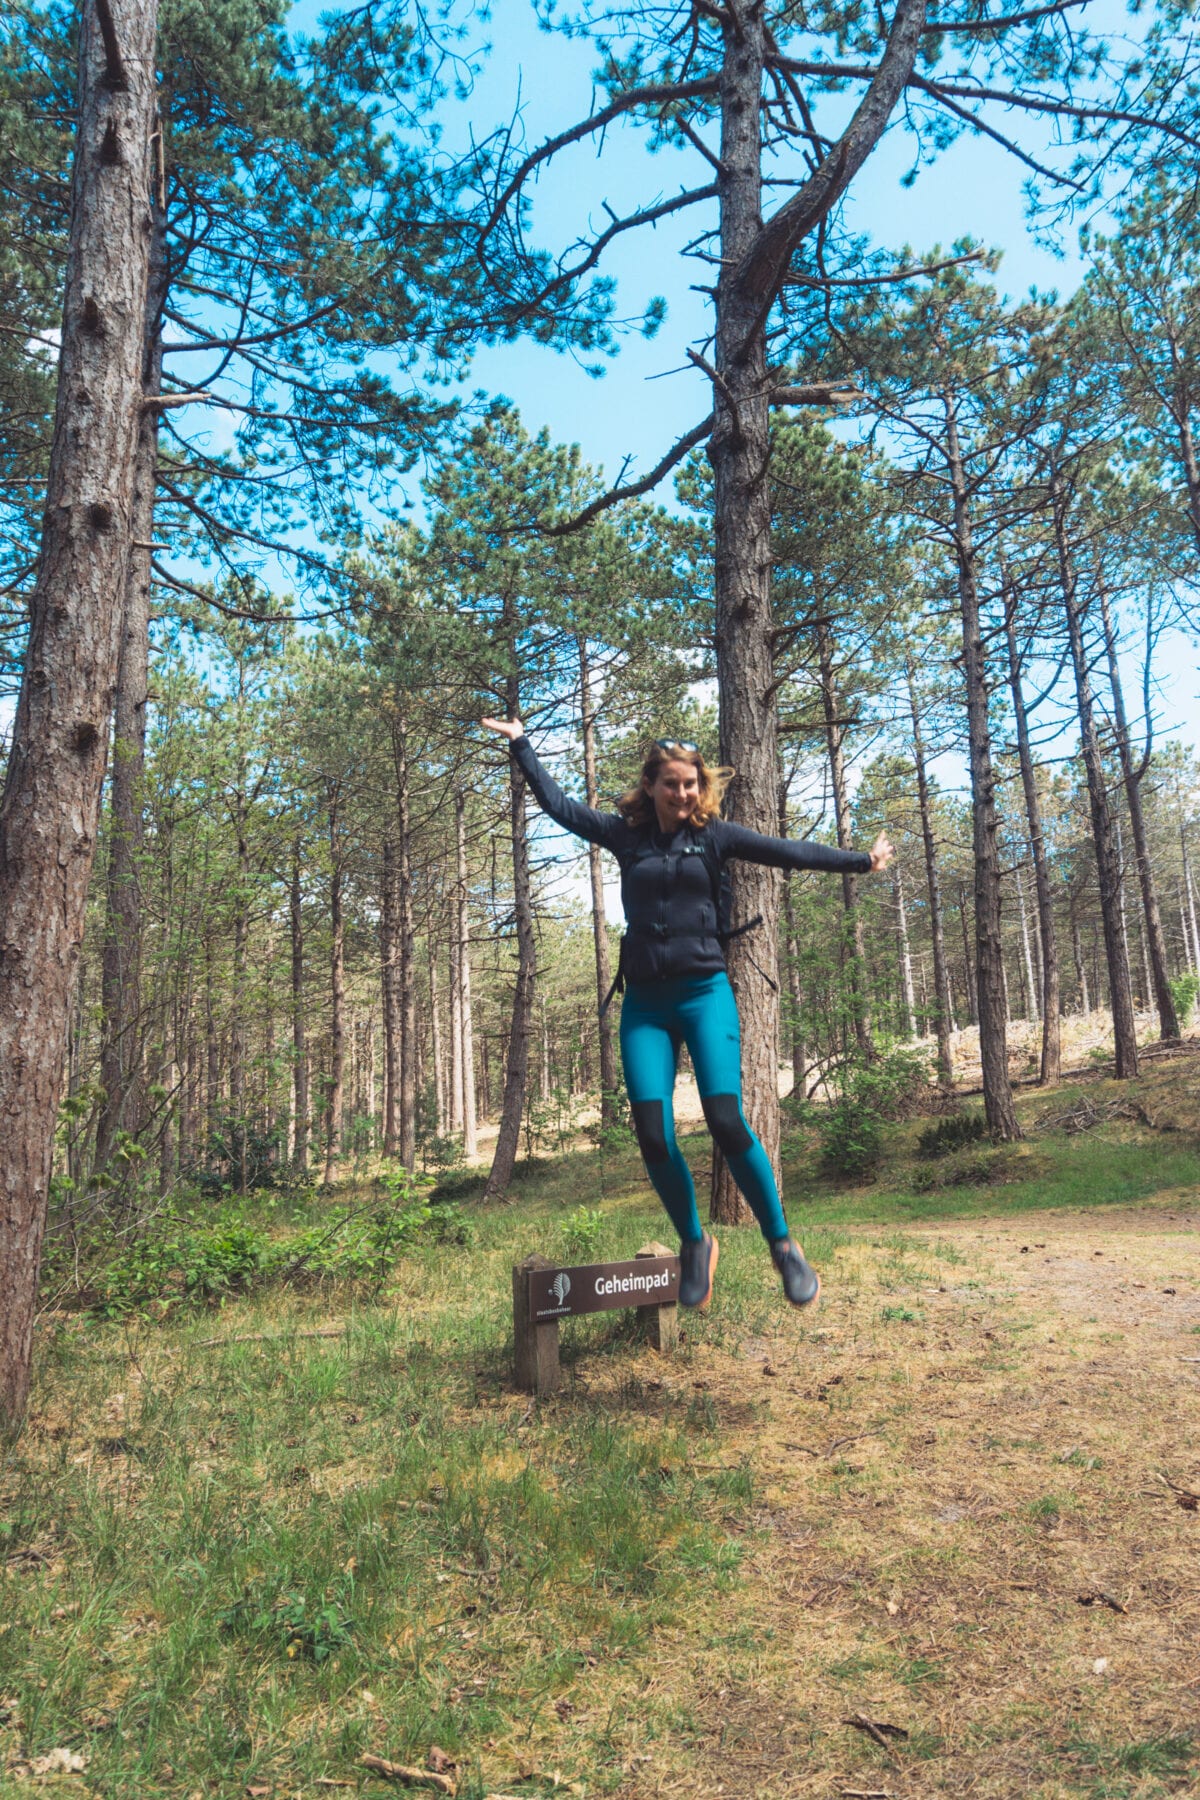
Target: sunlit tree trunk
pixel 337 993
pixel 944 1019
pixel 609 1079
pixel 990 983
pixel 462 917
pixel 51 801
pixel 906 973
pixel 1107 870
pixel 516 1072
pixel 1051 1064
pixel 856 963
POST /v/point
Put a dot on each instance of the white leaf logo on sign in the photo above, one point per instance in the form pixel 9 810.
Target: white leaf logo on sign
pixel 560 1287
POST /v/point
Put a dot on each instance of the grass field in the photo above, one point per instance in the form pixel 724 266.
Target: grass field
pixel 956 1502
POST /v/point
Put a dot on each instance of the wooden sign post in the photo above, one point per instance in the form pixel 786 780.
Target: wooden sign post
pixel 545 1292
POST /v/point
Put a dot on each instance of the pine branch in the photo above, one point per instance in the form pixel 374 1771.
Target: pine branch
pixel 615 495
pixel 662 93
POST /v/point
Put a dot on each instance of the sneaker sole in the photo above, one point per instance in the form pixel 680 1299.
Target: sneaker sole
pixel 807 1305
pixel 712 1272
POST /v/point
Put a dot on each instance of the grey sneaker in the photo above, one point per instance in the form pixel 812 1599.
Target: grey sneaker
pixel 697 1266
pixel 801 1284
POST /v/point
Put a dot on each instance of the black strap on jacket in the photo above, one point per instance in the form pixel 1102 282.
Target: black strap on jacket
pixel 667 931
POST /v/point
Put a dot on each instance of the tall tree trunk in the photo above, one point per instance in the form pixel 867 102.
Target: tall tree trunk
pixel 300 1101
pixel 1085 1002
pixel 795 1020
pixel 944 1020
pixel 408 1072
pixel 609 1078
pixel 1030 983
pixel 754 258
pixel 1107 871
pixel 389 946
pixel 906 973
pixel 738 452
pixel 856 962
pixel 1191 942
pixel 337 997
pixel 51 800
pixel 121 1028
pixel 516 1072
pixel 989 948
pixel 456 1057
pixel 968 968
pixel 437 1042
pixel 799 1049
pixel 1051 1066
pixel 462 915
pixel 239 1110
pixel 1120 845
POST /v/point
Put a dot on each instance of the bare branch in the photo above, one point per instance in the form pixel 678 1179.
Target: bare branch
pixel 664 92
pixel 816 393
pixel 632 489
pixel 764 266
pixel 969 26
pixel 860 281
pixel 114 68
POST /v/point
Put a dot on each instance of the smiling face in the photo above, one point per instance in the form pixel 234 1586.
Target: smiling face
pixel 674 791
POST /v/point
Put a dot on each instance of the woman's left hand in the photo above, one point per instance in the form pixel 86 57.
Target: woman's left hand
pixel 882 852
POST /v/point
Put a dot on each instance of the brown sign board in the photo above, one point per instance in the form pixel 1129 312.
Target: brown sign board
pixel 602 1287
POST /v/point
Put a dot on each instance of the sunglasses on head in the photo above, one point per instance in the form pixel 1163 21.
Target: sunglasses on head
pixel 677 744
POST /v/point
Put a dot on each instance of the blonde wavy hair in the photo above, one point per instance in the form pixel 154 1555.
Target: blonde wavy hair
pixel 637 808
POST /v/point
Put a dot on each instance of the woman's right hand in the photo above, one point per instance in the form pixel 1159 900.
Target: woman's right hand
pixel 509 728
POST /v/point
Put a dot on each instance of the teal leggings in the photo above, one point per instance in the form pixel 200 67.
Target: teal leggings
pixel 701 1012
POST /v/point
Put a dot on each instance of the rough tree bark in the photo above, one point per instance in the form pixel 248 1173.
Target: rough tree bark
pixel 462 915
pixel 1107 871
pixel 1051 1064
pixel 51 801
pixel 121 964
pixel 337 994
pixel 944 1019
pixel 989 948
pixel 300 1103
pixel 1131 775
pixel 407 1077
pixel 609 1079
pixel 907 994
pixel 834 739
pixel 516 1070
pixel 389 957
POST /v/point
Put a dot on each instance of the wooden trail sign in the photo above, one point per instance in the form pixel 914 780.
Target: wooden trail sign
pixel 545 1292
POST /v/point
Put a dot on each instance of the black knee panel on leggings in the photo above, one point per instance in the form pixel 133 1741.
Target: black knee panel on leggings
pixel 724 1115
pixel 651 1131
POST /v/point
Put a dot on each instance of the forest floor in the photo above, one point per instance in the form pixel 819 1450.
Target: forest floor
pixel 942 1538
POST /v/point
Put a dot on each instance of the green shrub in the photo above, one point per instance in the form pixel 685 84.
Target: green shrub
pixel 1184 989
pixel 201 1266
pixel 581 1232
pixel 950 1134
pixel 869 1096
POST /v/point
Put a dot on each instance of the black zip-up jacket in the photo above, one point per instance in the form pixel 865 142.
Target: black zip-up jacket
pixel 673 888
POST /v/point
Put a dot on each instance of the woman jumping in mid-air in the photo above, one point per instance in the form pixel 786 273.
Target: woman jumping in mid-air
pixel 672 846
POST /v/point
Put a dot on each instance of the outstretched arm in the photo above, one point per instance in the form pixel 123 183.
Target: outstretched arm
pixel 581 821
pixel 798 853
